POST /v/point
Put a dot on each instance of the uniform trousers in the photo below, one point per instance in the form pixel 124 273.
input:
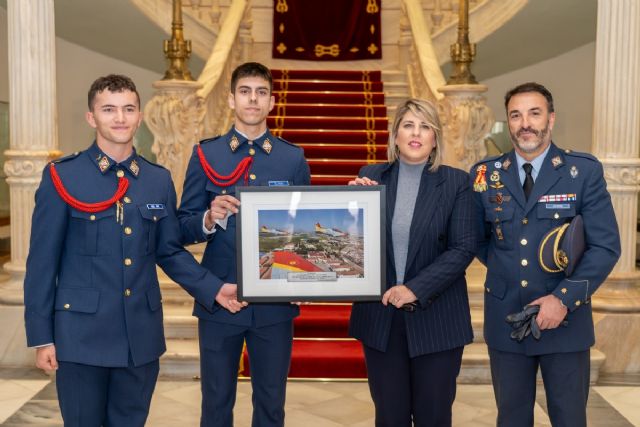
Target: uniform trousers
pixel 269 349
pixel 566 383
pixel 95 396
pixel 406 390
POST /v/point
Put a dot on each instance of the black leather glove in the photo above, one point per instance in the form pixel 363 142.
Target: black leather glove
pixel 524 323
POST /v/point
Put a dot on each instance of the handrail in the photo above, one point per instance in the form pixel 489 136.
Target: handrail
pixel 427 59
pixel 215 65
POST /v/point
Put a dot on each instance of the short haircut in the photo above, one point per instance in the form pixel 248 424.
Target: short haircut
pixel 251 69
pixel 428 112
pixel 112 83
pixel 527 88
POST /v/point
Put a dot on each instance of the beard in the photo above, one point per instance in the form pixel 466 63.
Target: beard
pixel 533 144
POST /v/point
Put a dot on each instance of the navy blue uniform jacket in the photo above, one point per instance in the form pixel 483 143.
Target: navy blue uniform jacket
pixel 275 161
pixel 441 246
pixel 91 286
pixel 569 183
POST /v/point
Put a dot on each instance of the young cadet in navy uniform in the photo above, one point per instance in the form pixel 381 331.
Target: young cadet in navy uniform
pixel 520 196
pixel 247 155
pixel 103 219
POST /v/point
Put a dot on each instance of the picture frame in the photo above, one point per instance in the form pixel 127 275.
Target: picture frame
pixel 311 243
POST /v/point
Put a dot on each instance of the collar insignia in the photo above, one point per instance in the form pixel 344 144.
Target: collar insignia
pixel 556 161
pixel 135 169
pixel 506 164
pixel 234 143
pixel 266 145
pixel 104 163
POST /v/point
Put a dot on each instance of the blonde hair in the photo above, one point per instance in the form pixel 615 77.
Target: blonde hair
pixel 428 112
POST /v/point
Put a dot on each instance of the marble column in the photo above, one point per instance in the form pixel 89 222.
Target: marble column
pixel 33 124
pixel 616 141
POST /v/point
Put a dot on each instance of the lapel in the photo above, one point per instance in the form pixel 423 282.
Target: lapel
pixel 389 178
pixel 427 201
pixel 550 173
pixel 511 180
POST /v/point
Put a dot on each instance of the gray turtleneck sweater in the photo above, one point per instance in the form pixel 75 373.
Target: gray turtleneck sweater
pixel 406 193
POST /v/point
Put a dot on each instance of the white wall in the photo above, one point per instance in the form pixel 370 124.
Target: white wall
pixel 570 78
pixel 76 69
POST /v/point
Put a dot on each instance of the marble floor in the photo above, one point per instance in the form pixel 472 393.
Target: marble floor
pixel 28 398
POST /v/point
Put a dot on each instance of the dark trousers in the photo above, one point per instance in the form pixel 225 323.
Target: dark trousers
pixel 404 389
pixel 269 351
pixel 566 384
pixel 95 396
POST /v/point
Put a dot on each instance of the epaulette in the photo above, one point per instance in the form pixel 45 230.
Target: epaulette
pixel 69 157
pixel 589 156
pixel 287 142
pixel 204 141
pixel 488 159
pixel 158 165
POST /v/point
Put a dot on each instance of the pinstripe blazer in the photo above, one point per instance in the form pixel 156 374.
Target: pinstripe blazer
pixel 441 246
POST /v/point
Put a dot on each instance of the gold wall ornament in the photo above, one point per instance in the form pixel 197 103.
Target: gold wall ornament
pixel 281 28
pixel 333 50
pixel 372 6
pixel 462 52
pixel 372 49
pixel 282 6
pixel 281 48
pixel 177 50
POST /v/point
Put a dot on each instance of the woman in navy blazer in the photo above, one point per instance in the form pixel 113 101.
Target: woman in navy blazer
pixel 413 339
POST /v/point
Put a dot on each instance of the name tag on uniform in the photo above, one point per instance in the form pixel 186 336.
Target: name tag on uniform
pixel 558 206
pixel 278 183
pixel 155 206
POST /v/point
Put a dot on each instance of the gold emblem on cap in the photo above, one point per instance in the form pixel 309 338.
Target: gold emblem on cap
pixel 266 146
pixel 104 163
pixel 556 161
pixel 135 169
pixel 234 143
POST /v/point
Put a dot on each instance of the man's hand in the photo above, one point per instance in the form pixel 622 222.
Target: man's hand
pixel 551 313
pixel 398 296
pixel 218 209
pixel 228 298
pixel 363 181
pixel 46 358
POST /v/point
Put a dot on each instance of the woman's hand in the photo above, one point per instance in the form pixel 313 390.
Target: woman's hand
pixel 363 181
pixel 398 296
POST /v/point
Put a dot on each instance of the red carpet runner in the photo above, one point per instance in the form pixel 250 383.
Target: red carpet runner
pixel 340 119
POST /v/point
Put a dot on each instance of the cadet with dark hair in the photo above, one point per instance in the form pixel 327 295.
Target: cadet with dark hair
pixel 103 219
pixel 524 198
pixel 249 154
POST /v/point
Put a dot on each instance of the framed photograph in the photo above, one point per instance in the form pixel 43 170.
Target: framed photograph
pixel 311 243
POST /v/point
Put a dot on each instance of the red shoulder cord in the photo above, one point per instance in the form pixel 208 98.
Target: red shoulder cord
pixel 242 168
pixel 123 184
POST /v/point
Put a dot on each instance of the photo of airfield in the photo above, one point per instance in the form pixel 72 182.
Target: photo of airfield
pixel 312 241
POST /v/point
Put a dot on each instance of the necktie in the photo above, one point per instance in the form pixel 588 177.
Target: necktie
pixel 528 180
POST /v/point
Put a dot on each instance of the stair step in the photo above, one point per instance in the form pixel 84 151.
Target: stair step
pixel 353 75
pixel 340 110
pixel 330 136
pixel 322 320
pixel 327 85
pixel 318 122
pixel 345 151
pixel 284 97
pixel 338 166
pixel 331 179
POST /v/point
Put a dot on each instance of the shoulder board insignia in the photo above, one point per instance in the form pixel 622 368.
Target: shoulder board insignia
pixel 287 142
pixel 65 158
pixel 150 162
pixel 204 141
pixel 580 154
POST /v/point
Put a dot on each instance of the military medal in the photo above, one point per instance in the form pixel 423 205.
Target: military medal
pixel 499 234
pixel 480 183
pixel 495 178
pixel 573 171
